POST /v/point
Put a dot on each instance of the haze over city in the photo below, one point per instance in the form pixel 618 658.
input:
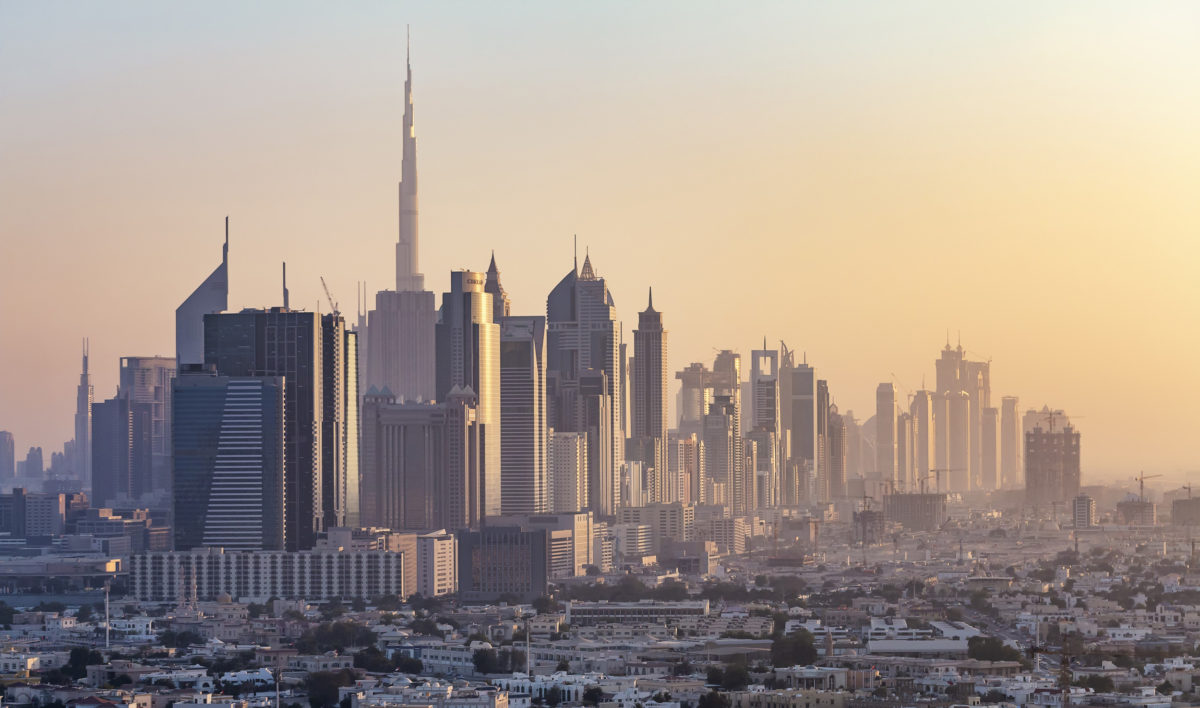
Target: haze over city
pixel 818 175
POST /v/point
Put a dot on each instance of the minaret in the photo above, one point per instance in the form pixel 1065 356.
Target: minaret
pixel 83 423
pixel 408 278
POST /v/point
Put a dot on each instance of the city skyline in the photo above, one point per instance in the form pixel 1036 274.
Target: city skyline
pixel 1037 358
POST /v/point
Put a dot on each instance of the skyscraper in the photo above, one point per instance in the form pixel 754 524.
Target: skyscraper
pixel 955 375
pixel 1010 443
pixel 583 355
pixel 338 396
pixel 83 423
pixel 400 329
pixel 288 344
pixel 211 296
pixel 959 419
pixel 722 471
pixel 695 395
pixel 420 462
pixel 798 412
pixel 229 461
pixel 924 448
pixel 468 359
pixel 524 487
pixel 885 434
pixel 990 442
pixel 8 455
pixel 501 306
pixel 649 398
pixel 837 455
pixel 764 418
pixel 147 380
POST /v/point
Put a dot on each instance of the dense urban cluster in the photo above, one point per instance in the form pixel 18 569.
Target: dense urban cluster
pixel 456 506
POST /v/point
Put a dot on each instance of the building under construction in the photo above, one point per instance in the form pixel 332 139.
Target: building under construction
pixel 915 511
pixel 868 527
pixel 1136 512
pixel 1186 512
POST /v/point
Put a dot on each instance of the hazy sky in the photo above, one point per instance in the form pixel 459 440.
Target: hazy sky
pixel 853 178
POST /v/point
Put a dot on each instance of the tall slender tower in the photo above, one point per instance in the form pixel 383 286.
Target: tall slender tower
pixel 83 424
pixel 649 399
pixel 400 328
pixel 408 278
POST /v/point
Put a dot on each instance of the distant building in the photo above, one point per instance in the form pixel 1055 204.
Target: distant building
pixel 503 561
pixel 1011 437
pixel 1136 512
pixel 916 511
pixel 1186 512
pixel 83 427
pixel 1083 510
pixel 8 455
pixel 885 433
pixel 1052 465
pixel 990 444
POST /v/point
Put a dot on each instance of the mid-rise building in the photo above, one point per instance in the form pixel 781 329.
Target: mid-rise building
pixel 885 432
pixel 568 464
pixel 915 511
pixel 437 563
pixel 496 561
pixel 255 576
pixel 8 455
pixel 1084 511
pixel 1011 437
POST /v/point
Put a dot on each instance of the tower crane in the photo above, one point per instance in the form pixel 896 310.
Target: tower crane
pixel 1141 480
pixel 329 296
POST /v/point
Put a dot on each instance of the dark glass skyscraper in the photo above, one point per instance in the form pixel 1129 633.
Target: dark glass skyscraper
pixel 229 462
pixel 281 342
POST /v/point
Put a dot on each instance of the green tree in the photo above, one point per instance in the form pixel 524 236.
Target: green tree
pixel 991 649
pixel 486 661
pixel 409 664
pixel 736 678
pixel 1166 688
pixel 713 699
pixel 373 660
pixel 554 696
pixel 84 613
pixel 592 695
pixel 322 686
pixel 794 649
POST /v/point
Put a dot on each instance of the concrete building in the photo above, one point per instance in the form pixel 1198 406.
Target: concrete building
pixel 695 396
pixel 524 483
pixel 437 563
pixel 959 414
pixel 568 465
pixel 924 448
pixel 722 470
pixel 1052 465
pixel 255 576
pixel 495 561
pixel 915 511
pixel 1083 510
pixel 420 463
pixel 668 522
pixel 468 361
pixel 798 412
pixel 229 463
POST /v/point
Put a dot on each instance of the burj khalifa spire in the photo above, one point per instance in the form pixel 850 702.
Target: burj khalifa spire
pixel 408 278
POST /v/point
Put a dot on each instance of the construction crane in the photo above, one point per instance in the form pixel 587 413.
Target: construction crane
pixel 1188 487
pixel 329 296
pixel 1141 480
pixel 938 475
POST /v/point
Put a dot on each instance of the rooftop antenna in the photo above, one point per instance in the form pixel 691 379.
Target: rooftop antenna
pixel 576 253
pixel 285 290
pixel 225 248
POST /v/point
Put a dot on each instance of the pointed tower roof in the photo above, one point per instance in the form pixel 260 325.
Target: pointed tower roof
pixel 587 273
pixel 650 304
pixel 492 266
